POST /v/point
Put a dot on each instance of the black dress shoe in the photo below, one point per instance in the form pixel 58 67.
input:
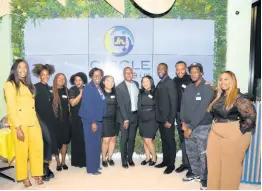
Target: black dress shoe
pixel 182 168
pixel 131 163
pixel 111 162
pixel 161 165
pixel 59 168
pixel 144 162
pixel 50 173
pixel 45 177
pixel 65 167
pixel 124 165
pixel 169 170
pixel 104 163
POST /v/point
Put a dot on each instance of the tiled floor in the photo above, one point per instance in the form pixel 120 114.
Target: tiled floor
pixel 117 178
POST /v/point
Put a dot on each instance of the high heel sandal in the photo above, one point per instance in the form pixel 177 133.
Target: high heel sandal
pixel 27 183
pixel 39 180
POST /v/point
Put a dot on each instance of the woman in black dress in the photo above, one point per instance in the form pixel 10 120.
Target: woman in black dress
pixel 110 129
pixel 78 155
pixel 147 119
pixel 61 109
pixel 43 106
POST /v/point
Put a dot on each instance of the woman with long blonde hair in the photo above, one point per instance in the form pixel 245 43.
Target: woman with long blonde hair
pixel 230 136
pixel 61 109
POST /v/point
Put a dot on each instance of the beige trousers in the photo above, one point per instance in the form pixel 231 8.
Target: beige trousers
pixel 226 149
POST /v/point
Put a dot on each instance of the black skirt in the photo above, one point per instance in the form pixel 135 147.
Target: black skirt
pixel 147 124
pixel 109 128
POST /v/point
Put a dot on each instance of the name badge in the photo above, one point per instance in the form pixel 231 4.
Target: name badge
pixel 198 98
pixel 112 97
pixel 150 96
pixel 64 96
pixel 183 86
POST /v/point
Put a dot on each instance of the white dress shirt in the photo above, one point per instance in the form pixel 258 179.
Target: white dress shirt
pixel 133 93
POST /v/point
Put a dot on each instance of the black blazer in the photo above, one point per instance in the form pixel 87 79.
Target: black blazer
pixel 123 102
pixel 166 101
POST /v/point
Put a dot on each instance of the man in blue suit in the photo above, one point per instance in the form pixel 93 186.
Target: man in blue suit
pixel 92 111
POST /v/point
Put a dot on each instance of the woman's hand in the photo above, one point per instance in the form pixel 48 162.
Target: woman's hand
pixel 20 134
pixel 94 127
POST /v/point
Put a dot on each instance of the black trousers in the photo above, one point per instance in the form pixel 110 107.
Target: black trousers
pixel 128 138
pixel 168 144
pixel 47 141
pixel 182 141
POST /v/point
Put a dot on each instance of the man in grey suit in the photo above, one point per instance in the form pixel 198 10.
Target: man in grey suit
pixel 127 97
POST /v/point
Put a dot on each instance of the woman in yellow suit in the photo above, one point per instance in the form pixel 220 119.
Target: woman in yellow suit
pixel 26 131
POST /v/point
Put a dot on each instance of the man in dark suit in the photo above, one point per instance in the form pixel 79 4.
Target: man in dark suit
pixel 127 97
pixel 166 109
pixel 182 80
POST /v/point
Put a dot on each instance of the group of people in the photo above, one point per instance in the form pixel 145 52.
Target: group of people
pixel 214 124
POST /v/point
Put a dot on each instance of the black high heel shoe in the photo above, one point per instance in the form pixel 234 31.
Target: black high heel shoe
pixel 65 167
pixel 111 162
pixel 104 163
pixel 152 163
pixel 144 162
pixel 59 167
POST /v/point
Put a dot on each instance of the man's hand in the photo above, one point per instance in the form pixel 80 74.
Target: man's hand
pixel 94 127
pixel 168 125
pixel 187 133
pixel 211 84
pixel 126 124
pixel 184 126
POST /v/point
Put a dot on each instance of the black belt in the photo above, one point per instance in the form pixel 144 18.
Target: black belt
pixel 133 112
pixel 225 120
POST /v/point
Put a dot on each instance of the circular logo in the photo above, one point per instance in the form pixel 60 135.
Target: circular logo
pixel 119 41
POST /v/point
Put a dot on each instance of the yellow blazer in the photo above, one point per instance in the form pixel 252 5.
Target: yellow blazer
pixel 20 105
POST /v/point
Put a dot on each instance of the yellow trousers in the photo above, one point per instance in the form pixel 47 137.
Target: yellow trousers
pixel 31 149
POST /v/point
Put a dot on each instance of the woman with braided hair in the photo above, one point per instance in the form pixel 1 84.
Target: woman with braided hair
pixel 61 109
pixel 44 110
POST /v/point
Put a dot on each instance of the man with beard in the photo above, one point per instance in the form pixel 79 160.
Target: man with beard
pixel 166 109
pixel 196 122
pixel 181 81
